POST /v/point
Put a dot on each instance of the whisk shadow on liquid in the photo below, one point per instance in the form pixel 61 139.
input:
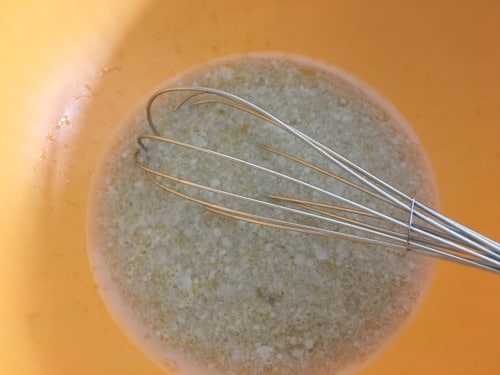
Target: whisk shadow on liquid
pixel 324 205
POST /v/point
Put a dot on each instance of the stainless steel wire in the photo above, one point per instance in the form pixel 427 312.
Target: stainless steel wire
pixel 423 230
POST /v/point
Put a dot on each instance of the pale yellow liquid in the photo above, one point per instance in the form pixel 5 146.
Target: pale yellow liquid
pixel 206 294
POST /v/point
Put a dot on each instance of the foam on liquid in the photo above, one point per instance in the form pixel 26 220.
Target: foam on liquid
pixel 210 295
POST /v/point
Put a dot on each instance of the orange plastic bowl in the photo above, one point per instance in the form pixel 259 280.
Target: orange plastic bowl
pixel 71 73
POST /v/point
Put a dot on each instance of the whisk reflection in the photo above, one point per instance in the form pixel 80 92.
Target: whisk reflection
pixel 416 227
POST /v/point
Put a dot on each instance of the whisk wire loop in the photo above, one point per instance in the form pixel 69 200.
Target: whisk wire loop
pixel 425 231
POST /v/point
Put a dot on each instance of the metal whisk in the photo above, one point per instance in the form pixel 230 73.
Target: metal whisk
pixel 422 230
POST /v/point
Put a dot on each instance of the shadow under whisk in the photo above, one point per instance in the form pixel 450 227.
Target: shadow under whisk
pixel 391 219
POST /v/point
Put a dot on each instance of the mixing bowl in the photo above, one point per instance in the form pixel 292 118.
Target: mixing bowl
pixel 73 72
